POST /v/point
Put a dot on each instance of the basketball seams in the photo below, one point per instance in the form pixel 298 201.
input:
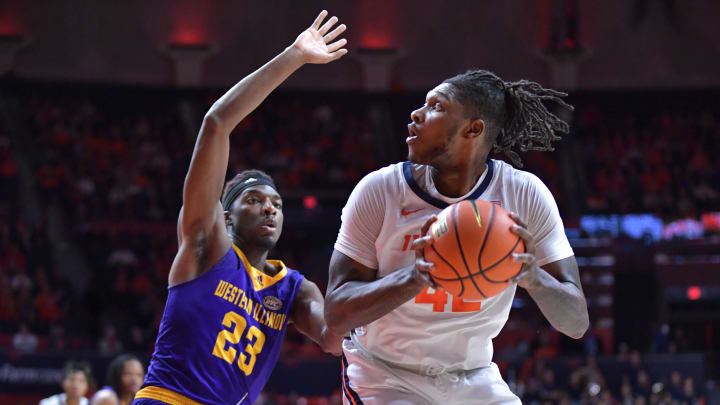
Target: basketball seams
pixel 487 233
pixel 462 253
pixel 459 277
pixel 483 271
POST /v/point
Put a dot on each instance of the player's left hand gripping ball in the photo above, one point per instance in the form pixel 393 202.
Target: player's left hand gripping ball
pixel 528 277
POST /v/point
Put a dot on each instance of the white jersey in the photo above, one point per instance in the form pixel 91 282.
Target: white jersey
pixel 384 215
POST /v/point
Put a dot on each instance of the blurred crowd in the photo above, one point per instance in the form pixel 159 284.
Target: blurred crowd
pixel 662 163
pixel 116 168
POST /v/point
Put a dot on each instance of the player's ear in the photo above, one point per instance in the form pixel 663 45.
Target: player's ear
pixel 228 221
pixel 477 128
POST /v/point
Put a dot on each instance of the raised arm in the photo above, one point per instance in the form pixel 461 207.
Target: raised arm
pixel 201 231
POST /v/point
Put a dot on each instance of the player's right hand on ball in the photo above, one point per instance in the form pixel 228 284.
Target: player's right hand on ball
pixel 423 268
pixel 316 45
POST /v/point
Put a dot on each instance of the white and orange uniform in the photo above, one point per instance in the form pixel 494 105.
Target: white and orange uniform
pixel 435 348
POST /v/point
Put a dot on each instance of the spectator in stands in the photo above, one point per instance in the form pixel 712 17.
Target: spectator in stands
pixel 689 395
pixel 643 386
pixel 124 378
pixel 109 343
pixel 76 379
pixel 25 341
pixel 676 387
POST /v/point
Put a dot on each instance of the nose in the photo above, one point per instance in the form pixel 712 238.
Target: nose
pixel 269 207
pixel 417 116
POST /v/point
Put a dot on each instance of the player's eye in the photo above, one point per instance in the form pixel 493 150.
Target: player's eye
pixel 252 200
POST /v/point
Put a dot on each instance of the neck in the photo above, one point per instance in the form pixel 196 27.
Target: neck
pixel 256 255
pixel 456 181
pixel 71 400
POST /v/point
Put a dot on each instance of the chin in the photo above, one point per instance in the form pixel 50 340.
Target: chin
pixel 267 242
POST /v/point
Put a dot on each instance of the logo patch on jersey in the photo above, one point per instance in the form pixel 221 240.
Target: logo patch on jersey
pixel 406 213
pixel 272 303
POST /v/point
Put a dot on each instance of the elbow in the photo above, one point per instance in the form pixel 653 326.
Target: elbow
pixel 332 343
pixel 578 333
pixel 212 122
pixel 581 325
pixel 334 318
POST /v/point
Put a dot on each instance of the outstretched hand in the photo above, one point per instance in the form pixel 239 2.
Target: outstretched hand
pixel 316 45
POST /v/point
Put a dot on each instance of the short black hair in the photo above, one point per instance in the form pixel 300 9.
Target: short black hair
pixel 513 112
pixel 115 370
pixel 76 366
pixel 244 175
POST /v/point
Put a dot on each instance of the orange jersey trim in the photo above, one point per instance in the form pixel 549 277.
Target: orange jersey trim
pixel 165 395
pixel 259 279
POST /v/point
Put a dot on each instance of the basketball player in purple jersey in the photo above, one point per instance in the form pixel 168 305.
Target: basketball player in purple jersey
pixel 228 306
pixel 411 343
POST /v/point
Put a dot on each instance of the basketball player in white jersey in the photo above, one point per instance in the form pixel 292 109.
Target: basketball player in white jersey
pixel 412 343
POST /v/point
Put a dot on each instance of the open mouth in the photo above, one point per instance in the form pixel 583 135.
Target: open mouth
pixel 412 134
pixel 269 226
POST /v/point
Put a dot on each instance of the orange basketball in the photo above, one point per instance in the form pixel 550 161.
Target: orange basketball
pixel 472 249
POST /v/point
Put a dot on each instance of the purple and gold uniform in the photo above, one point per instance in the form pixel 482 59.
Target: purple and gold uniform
pixel 220 334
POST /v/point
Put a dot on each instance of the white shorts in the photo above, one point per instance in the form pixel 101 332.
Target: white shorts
pixel 370 381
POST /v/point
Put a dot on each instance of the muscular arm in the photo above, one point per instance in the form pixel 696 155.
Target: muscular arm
pixel 203 239
pixel 355 296
pixel 201 232
pixel 557 291
pixel 308 317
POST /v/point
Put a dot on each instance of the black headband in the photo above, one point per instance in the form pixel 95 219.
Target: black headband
pixel 238 187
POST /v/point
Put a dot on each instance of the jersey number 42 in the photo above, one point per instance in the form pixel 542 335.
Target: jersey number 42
pixel 439 299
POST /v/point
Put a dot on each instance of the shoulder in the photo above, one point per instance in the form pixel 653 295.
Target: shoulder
pixel 376 187
pixel 294 276
pixel 382 178
pixel 105 396
pixel 53 400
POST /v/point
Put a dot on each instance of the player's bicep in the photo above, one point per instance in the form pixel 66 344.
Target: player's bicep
pixel 307 310
pixel 565 270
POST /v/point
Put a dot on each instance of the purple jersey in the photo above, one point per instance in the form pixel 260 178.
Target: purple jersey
pixel 221 333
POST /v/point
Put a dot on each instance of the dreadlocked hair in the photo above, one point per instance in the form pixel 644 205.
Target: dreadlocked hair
pixel 514 112
pixel 244 175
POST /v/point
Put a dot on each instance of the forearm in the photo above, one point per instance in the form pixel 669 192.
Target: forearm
pixel 357 303
pixel 562 303
pixel 330 342
pixel 247 94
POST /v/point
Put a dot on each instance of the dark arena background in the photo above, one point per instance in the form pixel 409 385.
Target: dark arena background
pixel 101 102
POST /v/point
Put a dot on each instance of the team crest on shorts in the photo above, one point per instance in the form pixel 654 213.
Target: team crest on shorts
pixel 272 303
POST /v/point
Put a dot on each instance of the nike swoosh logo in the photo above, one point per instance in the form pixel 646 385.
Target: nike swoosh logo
pixel 404 213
